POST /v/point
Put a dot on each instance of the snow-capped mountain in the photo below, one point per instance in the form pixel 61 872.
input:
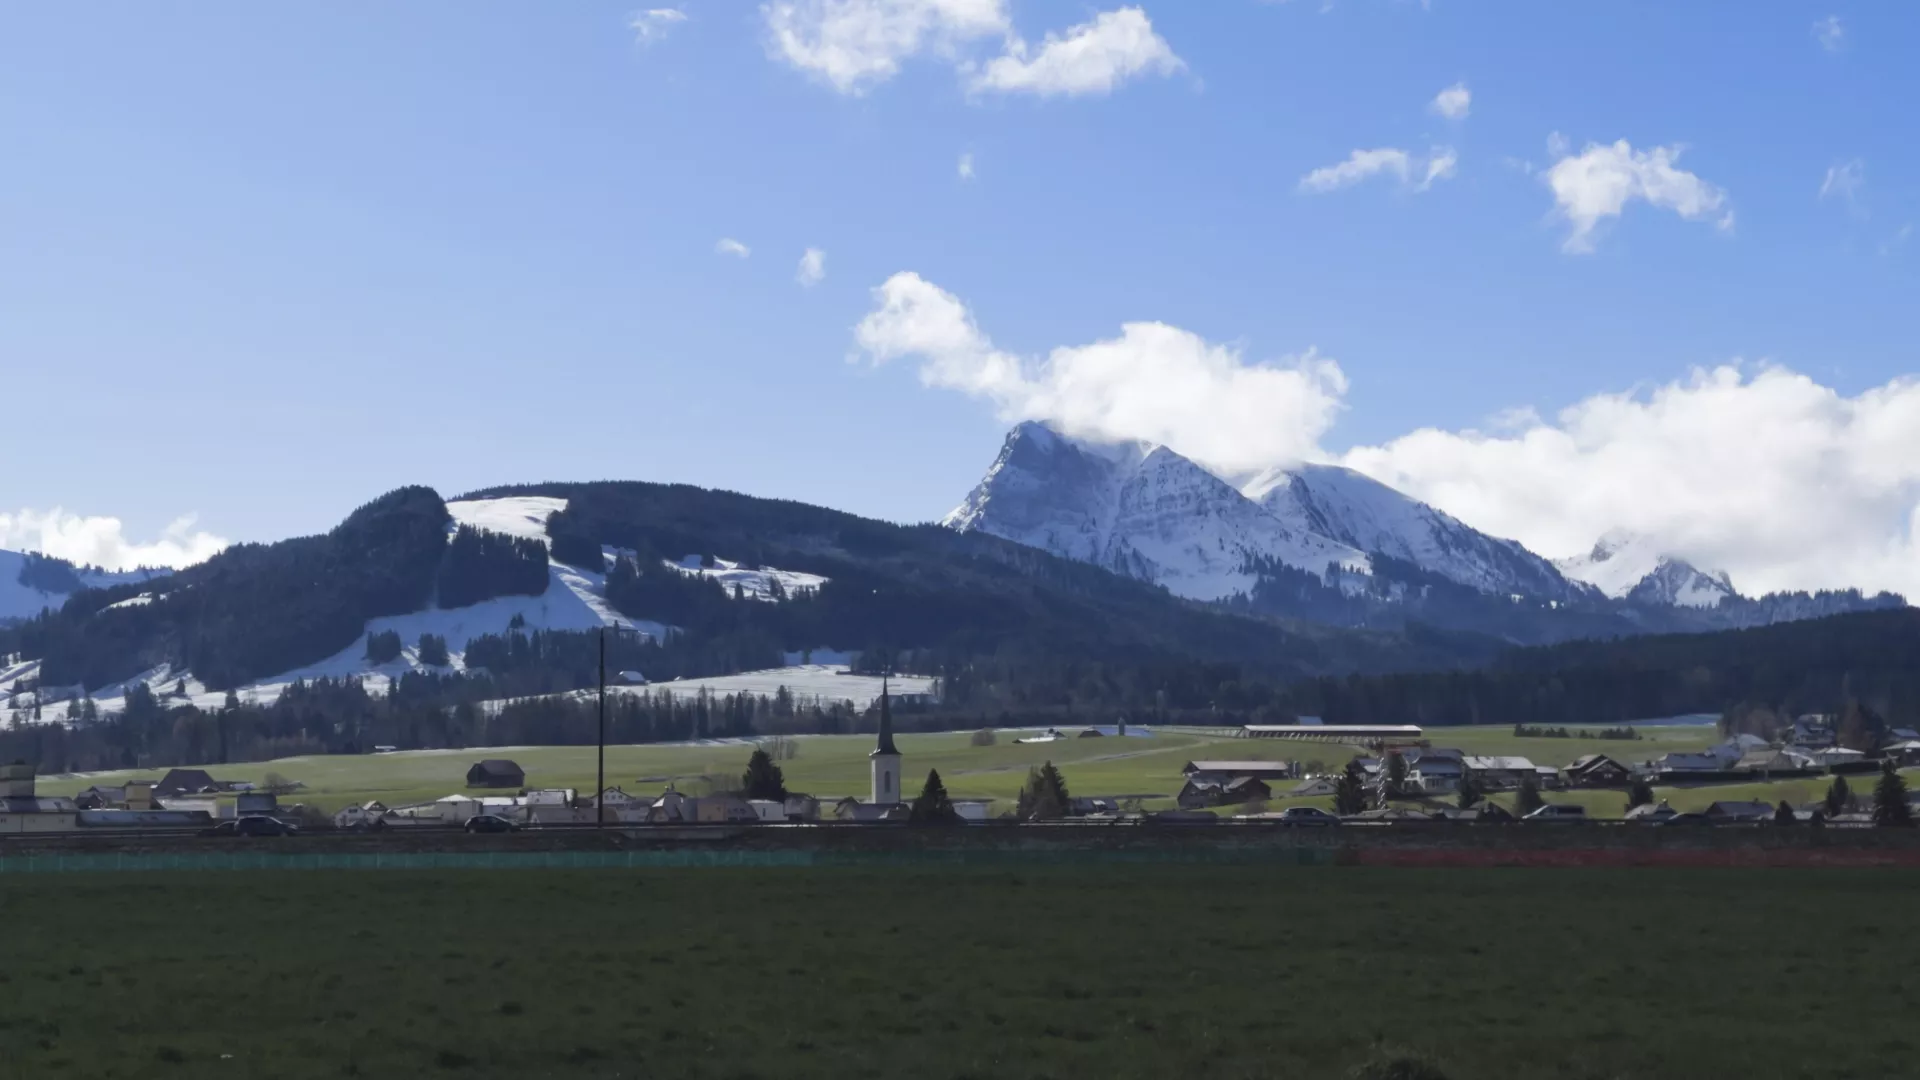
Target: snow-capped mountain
pixel 1361 512
pixel 31 583
pixel 1139 510
pixel 1145 511
pixel 1624 566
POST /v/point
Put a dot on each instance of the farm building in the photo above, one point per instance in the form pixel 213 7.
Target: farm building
pixel 179 782
pixel 1227 770
pixel 496 773
pixel 1199 793
pixel 1342 733
pixel 1597 770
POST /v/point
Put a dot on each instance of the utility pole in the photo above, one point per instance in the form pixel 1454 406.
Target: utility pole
pixel 600 773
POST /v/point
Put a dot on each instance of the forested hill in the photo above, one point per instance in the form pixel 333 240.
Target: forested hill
pixel 970 607
pixel 959 600
pixel 1818 665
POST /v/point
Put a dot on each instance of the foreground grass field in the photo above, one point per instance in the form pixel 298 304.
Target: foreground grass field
pixel 1089 971
pixel 837 765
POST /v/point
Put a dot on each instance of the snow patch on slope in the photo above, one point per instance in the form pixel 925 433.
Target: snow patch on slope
pixel 754 584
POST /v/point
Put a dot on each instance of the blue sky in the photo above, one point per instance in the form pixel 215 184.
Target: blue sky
pixel 263 262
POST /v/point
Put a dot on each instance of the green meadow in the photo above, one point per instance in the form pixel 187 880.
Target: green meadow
pixel 1103 970
pixel 833 765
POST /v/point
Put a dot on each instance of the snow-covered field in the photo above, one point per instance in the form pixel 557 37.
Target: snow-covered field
pixel 808 683
pixel 753 584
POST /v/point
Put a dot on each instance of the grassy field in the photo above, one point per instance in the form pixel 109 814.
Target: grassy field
pixel 837 765
pixel 1094 971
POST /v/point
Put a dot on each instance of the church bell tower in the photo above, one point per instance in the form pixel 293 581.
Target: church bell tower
pixel 885 759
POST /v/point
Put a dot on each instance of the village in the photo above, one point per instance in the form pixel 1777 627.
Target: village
pixel 1397 776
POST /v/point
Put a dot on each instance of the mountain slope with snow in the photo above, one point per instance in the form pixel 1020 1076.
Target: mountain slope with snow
pixel 1361 512
pixel 30 584
pixel 1139 510
pixel 1148 512
pixel 1632 568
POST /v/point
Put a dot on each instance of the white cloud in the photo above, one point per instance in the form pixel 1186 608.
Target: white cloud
pixel 813 268
pixel 653 24
pixel 1780 481
pixel 966 165
pixel 1363 164
pixel 1783 482
pixel 856 44
pixel 1598 183
pixel 1829 32
pixel 1092 58
pixel 1844 180
pixel 1454 102
pixel 729 246
pixel 1152 381
pixel 102 541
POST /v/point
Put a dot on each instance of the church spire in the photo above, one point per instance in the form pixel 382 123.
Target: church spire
pixel 885 744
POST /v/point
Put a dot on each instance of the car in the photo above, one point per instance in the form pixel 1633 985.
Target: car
pixel 1307 815
pixel 490 823
pixel 254 825
pixel 1560 813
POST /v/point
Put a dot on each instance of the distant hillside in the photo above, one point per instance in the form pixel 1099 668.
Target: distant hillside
pixel 1816 665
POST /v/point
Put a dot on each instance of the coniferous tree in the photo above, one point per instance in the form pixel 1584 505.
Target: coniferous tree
pixel 1350 791
pixel 1783 814
pixel 763 779
pixel 1393 770
pixel 433 650
pixel 1890 799
pixel 1839 796
pixel 933 806
pixel 1044 798
pixel 1639 793
pixel 1528 799
pixel 1470 793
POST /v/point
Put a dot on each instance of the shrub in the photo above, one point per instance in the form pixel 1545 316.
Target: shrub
pixel 983 737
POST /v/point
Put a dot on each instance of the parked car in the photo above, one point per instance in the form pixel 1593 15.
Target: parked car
pixel 254 825
pixel 1307 815
pixel 490 823
pixel 1560 813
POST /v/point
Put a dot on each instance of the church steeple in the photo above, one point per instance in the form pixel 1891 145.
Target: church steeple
pixel 885 744
pixel 884 762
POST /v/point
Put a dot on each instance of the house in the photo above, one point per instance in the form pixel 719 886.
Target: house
pixel 1227 770
pixel 256 802
pixel 973 809
pixel 802 807
pixel 496 773
pixel 717 809
pixel 614 798
pixel 1200 793
pixel 1904 752
pixel 1597 770
pixel 1740 813
pixel 1770 759
pixel 1435 771
pixel 179 782
pixel 1501 772
pixel 671 807
pixel 101 798
pixel 1814 731
pixel 869 813
pixel 1651 813
pixel 1315 788
pixel 633 678
pixel 1831 756
pixel 769 811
